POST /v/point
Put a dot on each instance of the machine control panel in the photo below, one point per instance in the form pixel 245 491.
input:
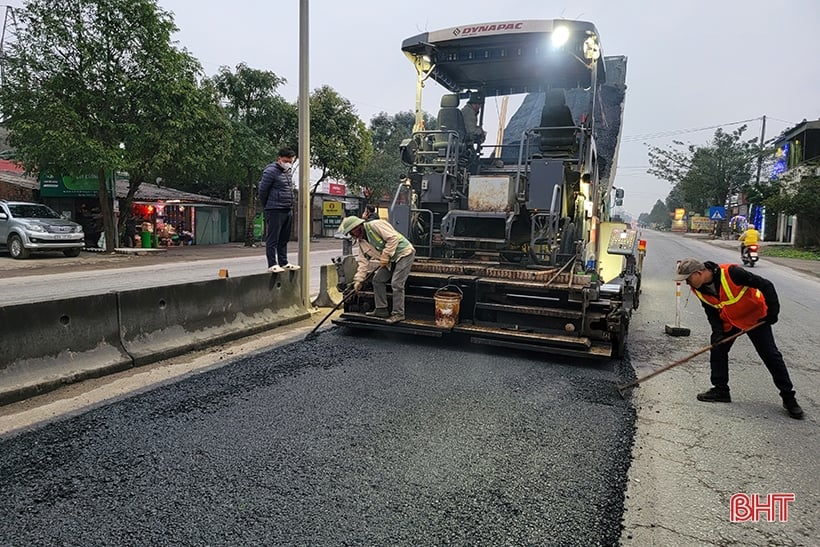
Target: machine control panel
pixel 622 241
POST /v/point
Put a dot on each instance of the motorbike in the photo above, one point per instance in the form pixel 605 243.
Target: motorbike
pixel 749 255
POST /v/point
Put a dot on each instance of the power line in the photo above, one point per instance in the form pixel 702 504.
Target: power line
pixel 662 134
pixel 782 121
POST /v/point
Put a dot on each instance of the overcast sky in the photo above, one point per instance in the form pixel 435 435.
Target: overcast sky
pixel 691 64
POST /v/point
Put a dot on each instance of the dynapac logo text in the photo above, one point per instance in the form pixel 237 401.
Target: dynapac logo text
pixel 477 29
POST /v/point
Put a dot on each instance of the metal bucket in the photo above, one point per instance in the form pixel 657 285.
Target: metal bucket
pixel 448 305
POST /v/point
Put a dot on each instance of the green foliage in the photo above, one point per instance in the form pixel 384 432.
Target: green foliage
pixel 385 169
pixel 260 122
pixel 703 176
pixel 251 97
pixel 659 215
pixel 86 77
pixel 341 145
pixel 783 251
pixel 184 152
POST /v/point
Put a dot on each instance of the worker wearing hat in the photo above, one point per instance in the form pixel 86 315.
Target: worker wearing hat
pixel 735 299
pixel 379 241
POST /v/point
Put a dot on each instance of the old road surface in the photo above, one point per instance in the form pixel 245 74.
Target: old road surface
pixel 359 439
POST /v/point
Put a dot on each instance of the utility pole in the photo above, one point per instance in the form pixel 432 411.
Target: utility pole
pixel 760 153
pixel 9 17
pixel 304 154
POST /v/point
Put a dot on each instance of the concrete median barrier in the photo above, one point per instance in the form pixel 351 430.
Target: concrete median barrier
pixel 162 322
pixel 329 294
pixel 46 344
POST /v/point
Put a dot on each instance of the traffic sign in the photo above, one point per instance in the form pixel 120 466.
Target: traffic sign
pixel 717 213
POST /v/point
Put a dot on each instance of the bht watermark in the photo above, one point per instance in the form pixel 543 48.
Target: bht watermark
pixel 751 507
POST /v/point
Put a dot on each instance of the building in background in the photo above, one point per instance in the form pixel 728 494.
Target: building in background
pixel 797 157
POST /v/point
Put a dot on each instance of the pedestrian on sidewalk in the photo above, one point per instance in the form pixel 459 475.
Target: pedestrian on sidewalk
pixel 735 299
pixel 276 197
pixel 378 240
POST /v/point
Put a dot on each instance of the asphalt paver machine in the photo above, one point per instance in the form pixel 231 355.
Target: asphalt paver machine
pixel 518 231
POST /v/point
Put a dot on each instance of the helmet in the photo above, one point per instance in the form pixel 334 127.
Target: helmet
pixel 349 223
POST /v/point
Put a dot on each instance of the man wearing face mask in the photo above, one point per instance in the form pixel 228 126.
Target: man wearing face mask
pixel 276 196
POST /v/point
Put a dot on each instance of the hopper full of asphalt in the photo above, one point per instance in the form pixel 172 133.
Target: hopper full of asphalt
pixel 340 440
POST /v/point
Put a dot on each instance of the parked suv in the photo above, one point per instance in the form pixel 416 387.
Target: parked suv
pixel 28 227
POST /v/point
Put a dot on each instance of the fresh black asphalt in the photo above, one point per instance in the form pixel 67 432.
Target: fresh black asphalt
pixel 341 440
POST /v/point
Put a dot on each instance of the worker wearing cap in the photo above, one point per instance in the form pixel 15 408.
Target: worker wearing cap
pixel 735 299
pixel 378 240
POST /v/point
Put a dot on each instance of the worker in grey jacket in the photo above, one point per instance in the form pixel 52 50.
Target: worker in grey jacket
pixel 276 197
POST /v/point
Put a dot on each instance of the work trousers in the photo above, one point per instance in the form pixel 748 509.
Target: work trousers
pixel 278 224
pixel 763 341
pixel 397 276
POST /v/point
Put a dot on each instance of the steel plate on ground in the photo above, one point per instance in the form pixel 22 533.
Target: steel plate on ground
pixel 581 343
pixel 412 326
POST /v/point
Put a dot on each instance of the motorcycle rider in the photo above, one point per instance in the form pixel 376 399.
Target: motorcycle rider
pixel 749 237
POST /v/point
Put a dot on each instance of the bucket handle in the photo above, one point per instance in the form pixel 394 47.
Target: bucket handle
pixel 450 287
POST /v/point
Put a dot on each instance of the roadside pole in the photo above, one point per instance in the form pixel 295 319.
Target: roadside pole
pixel 304 155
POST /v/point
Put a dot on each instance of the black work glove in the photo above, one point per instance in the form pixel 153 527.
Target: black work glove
pixel 771 318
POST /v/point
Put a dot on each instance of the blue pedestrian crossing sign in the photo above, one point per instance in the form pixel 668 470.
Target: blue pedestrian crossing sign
pixel 717 213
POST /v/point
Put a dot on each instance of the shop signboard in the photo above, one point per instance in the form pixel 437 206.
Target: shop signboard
pixel 700 224
pixel 258 226
pixel 336 189
pixel 80 186
pixel 331 215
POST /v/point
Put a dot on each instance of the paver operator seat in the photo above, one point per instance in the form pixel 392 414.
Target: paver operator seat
pixel 556 114
pixel 450 118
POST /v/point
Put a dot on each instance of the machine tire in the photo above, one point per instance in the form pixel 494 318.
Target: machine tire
pixel 71 253
pixel 17 249
pixel 619 343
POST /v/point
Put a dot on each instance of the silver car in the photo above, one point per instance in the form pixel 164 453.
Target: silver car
pixel 28 227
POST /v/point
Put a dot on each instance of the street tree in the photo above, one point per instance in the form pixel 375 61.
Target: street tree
pixel 385 169
pixel 703 176
pixel 262 121
pixel 658 216
pixel 97 86
pixel 340 143
pixel 182 154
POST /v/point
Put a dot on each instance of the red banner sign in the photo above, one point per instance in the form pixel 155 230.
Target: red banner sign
pixel 336 189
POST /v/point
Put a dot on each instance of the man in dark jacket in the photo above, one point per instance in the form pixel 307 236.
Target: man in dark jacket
pixel 735 299
pixel 276 196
